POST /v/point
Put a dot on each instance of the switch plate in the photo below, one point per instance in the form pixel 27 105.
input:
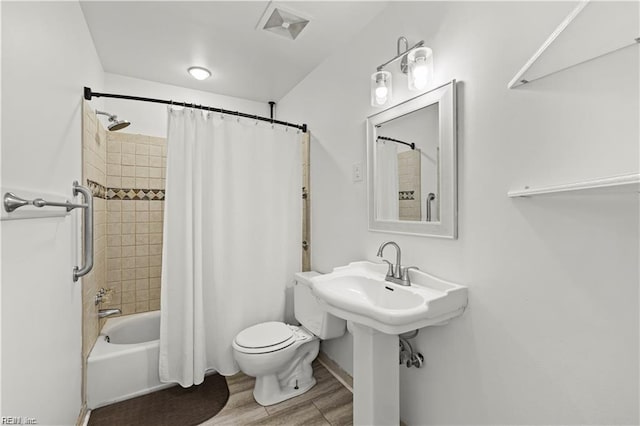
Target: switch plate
pixel 357 172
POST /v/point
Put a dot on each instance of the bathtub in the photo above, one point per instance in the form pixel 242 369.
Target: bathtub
pixel 124 360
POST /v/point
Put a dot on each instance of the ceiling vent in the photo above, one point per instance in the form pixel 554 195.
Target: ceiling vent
pixel 283 22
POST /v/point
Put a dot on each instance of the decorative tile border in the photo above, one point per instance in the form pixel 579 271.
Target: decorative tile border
pixel 135 194
pixel 101 191
pixel 96 189
pixel 406 195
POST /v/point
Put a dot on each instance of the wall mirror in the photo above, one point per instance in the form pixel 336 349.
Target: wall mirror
pixel 412 166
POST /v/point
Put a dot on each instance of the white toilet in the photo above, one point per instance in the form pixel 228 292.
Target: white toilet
pixel 279 355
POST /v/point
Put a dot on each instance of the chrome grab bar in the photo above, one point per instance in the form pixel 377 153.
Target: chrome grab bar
pixel 88 231
pixel 12 202
pixel 430 198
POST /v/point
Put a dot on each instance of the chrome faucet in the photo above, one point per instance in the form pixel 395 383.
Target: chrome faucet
pixel 396 273
pixel 103 313
pixel 393 272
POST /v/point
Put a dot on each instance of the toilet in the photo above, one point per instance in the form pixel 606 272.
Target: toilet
pixel 279 355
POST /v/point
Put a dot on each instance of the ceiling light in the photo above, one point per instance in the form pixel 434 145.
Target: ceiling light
pixel 199 73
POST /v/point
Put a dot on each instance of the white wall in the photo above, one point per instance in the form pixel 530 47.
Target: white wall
pixel 0 227
pixel 551 333
pixel 47 56
pixel 151 119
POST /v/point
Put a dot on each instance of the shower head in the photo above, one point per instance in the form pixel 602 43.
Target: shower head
pixel 114 123
pixel 118 124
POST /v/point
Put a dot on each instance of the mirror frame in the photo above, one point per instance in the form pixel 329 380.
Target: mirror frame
pixel 447 227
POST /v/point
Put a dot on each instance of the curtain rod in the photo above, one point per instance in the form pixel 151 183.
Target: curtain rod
pixel 88 94
pixel 384 138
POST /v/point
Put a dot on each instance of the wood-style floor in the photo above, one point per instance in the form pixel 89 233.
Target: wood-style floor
pixel 327 403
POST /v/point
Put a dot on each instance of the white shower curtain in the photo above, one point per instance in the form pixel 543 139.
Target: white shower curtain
pixel 386 177
pixel 232 237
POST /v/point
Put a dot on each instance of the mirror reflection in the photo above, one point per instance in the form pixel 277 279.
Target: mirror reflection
pixel 407 167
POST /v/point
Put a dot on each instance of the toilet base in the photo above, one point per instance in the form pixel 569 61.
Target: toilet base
pixel 294 380
pixel 268 391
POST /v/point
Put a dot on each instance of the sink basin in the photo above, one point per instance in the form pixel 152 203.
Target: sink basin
pixel 358 292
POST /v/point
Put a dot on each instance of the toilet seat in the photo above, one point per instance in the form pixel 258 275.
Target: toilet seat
pixel 265 337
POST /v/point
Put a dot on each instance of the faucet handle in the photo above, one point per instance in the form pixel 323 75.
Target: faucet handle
pixel 390 270
pixel 106 298
pixel 405 273
pixel 103 295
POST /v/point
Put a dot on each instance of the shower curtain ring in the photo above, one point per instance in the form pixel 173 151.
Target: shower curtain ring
pixel 238 116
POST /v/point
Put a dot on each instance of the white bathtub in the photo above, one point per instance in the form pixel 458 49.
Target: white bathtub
pixel 126 364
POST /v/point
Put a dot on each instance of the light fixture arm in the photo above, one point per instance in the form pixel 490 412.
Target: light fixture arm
pixel 402 54
pixel 406 45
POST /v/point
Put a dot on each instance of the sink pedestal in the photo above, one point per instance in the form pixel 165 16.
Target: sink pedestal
pixel 376 377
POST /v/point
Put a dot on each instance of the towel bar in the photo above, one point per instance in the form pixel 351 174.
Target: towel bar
pixel 12 202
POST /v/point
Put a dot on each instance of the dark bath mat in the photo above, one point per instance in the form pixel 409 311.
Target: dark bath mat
pixel 168 407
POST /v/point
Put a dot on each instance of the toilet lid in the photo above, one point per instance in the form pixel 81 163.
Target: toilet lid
pixel 264 335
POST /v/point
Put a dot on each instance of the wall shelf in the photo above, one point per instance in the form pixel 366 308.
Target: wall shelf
pixel 591 30
pixel 615 184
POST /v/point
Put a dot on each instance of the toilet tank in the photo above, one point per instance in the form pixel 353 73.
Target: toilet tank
pixel 310 313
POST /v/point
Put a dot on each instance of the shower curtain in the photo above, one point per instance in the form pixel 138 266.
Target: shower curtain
pixel 386 179
pixel 232 237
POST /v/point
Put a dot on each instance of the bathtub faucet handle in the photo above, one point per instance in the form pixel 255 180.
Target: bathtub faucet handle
pixel 99 296
pixel 103 296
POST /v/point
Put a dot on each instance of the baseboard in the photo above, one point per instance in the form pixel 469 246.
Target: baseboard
pixel 336 371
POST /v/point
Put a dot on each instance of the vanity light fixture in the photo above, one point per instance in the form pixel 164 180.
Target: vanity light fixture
pixel 199 73
pixel 381 88
pixel 416 61
pixel 420 68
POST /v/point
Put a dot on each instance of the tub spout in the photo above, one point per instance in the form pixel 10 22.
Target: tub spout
pixel 103 313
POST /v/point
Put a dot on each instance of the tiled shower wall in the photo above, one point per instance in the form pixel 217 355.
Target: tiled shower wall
pixel 136 167
pixel 126 174
pixel 94 164
pixel 409 185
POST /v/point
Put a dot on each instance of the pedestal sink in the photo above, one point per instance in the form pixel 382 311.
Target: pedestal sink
pixel 379 311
